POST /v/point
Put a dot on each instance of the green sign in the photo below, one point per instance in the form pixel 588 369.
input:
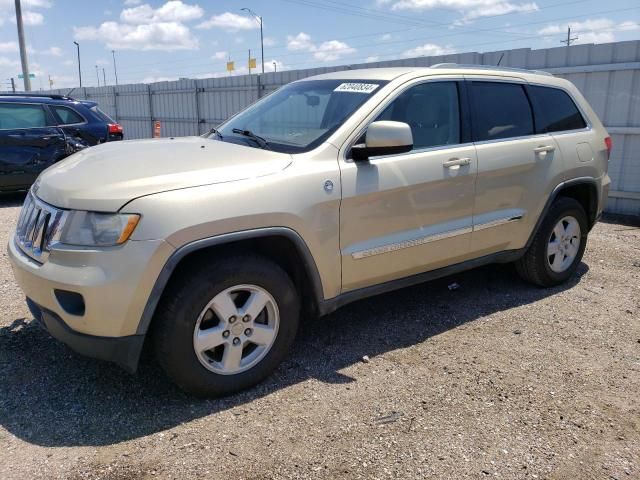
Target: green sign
pixel 31 75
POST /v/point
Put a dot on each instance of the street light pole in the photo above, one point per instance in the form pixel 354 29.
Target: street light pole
pixel 23 50
pixel 259 20
pixel 115 70
pixel 275 67
pixel 98 75
pixel 79 69
pixel 104 78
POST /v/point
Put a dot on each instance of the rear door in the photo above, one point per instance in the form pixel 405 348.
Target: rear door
pixel 515 165
pixel 28 143
pixel 76 127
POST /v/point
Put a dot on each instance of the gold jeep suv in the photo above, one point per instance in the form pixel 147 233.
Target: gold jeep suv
pixel 331 189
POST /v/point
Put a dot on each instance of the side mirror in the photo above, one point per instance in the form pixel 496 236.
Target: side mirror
pixel 384 138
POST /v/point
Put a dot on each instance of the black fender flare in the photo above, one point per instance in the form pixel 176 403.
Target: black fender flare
pixel 556 192
pixel 223 239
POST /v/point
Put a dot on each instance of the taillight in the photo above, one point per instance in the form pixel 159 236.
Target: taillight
pixel 609 143
pixel 114 128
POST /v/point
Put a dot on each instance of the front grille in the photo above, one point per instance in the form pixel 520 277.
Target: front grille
pixel 39 227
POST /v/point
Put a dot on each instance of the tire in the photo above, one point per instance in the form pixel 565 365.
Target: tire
pixel 199 298
pixel 539 265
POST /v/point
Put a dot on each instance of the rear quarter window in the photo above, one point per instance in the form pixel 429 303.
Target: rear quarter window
pixel 554 110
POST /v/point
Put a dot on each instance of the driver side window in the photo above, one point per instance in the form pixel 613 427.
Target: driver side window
pixel 431 110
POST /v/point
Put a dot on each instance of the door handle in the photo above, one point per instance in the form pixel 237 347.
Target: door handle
pixel 544 149
pixel 456 162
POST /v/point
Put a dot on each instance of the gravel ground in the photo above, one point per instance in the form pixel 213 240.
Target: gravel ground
pixel 494 379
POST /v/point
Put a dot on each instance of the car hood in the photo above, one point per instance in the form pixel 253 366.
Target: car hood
pixel 105 177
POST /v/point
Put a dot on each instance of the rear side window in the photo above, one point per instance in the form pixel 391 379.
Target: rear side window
pixel 500 110
pixel 15 115
pixel 103 116
pixel 554 110
pixel 67 115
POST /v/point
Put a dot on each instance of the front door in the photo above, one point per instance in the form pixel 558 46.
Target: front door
pixel 408 213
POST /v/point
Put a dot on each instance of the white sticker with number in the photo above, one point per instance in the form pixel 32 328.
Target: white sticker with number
pixel 357 87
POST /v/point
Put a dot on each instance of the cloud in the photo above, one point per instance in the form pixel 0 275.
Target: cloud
pixel 8 47
pixel 325 52
pixel 29 16
pixel 9 63
pixel 372 58
pixel 167 36
pixel 230 22
pixel 427 50
pixel 146 28
pixel 270 42
pixel 53 51
pixel 596 30
pixel 629 26
pixel 220 55
pixel 172 11
pixel 132 2
pixel 470 9
pixel 386 37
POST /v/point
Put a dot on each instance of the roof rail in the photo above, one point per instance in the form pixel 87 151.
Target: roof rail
pixel 490 67
pixel 53 96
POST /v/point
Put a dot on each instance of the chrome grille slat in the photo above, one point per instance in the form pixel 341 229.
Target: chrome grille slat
pixel 39 227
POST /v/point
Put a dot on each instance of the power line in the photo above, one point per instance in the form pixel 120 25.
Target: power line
pixel 395 55
pixel 411 40
pixel 416 27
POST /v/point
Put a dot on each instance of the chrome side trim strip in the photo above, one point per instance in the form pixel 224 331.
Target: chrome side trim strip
pixel 392 247
pixel 496 223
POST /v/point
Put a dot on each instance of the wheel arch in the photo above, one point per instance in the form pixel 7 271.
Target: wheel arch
pixel 281 244
pixel 582 189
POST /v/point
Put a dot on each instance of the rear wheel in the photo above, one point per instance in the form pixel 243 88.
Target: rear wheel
pixel 558 246
pixel 227 325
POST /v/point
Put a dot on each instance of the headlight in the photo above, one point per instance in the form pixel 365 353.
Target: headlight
pixel 98 229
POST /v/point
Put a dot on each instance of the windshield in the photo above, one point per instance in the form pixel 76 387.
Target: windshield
pixel 299 116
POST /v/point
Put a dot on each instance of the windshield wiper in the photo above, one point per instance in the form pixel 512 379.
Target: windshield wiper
pixel 262 143
pixel 215 131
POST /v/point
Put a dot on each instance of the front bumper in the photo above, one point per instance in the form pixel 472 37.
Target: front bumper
pixel 109 286
pixel 124 351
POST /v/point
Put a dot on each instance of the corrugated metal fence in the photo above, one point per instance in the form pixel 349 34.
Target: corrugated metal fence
pixel 607 74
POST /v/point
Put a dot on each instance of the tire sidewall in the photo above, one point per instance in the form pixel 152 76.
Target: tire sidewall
pixel 195 377
pixel 565 207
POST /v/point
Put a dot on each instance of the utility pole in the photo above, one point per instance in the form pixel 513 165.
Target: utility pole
pixel 23 50
pixel 79 70
pixel 249 62
pixel 259 20
pixel 104 78
pixel 115 70
pixel 98 75
pixel 275 67
pixel 50 82
pixel 569 39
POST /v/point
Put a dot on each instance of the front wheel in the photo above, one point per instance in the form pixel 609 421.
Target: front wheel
pixel 227 325
pixel 558 246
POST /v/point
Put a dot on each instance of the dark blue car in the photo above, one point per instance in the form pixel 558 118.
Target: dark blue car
pixel 38 130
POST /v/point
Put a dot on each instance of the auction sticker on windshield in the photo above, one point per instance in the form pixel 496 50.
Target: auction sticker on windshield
pixel 356 87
